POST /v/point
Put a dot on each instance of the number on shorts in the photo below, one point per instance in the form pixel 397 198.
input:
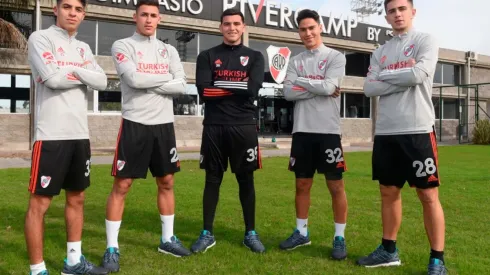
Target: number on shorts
pixel 88 168
pixel 252 154
pixel 430 168
pixel 331 155
pixel 175 157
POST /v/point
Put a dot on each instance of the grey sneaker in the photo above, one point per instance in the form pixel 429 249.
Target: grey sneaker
pixel 253 242
pixel 205 242
pixel 110 260
pixel 339 251
pixel 380 257
pixel 174 248
pixel 84 267
pixel 436 267
pixel 44 272
pixel 295 240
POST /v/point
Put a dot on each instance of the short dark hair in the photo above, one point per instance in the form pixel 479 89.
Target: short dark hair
pixel 388 1
pixel 303 14
pixel 147 3
pixel 230 12
pixel 84 2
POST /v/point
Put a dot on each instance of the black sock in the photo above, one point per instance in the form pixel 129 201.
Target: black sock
pixel 247 198
pixel 210 198
pixel 389 245
pixel 437 255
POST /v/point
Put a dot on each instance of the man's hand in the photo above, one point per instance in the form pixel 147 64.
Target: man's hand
pixel 336 93
pixel 411 62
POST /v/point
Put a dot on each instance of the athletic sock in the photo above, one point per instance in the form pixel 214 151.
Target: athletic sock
pixel 247 199
pixel 74 252
pixel 389 245
pixel 302 226
pixel 437 255
pixel 36 268
pixel 112 232
pixel 210 198
pixel 167 227
pixel 339 229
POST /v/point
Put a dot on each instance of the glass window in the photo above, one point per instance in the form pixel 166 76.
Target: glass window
pixel 342 99
pixel 357 64
pixel 437 106
pixel 110 98
pixel 14 93
pixel 448 74
pixel 357 106
pixel 184 41
pixel 438 74
pixel 22 21
pixel 207 41
pixel 450 110
pixel 5 80
pixel 186 104
pixel 4 106
pixel 110 32
pixel 86 31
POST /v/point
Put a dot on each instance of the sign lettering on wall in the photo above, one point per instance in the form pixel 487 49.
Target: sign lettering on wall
pixel 267 14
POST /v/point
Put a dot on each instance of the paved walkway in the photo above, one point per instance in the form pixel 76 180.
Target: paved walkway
pixel 24 160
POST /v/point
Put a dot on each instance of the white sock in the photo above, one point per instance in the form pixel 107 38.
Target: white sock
pixel 74 252
pixel 339 229
pixel 302 226
pixel 167 227
pixel 112 232
pixel 36 268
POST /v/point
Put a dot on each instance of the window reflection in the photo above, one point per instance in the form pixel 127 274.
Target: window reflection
pixel 109 32
pixel 184 41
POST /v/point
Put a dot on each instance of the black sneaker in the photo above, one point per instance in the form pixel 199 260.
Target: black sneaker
pixel 295 240
pixel 253 242
pixel 205 242
pixel 174 248
pixel 380 257
pixel 84 267
pixel 110 260
pixel 339 251
pixel 436 267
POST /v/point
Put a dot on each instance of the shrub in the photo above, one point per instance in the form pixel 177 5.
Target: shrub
pixel 481 133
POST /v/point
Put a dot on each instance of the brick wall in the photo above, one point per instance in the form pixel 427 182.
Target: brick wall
pixel 356 130
pixel 104 130
pixel 14 132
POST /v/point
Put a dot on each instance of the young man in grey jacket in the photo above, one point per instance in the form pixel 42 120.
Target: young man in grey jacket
pixel 405 147
pixel 62 68
pixel 151 74
pixel 313 81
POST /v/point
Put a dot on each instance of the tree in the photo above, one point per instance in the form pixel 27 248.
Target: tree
pixel 12 32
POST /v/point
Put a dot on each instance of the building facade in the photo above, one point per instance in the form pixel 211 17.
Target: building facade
pixel 192 26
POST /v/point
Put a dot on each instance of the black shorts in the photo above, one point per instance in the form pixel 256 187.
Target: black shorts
pixel 401 158
pixel 140 147
pixel 312 152
pixel 239 144
pixel 60 164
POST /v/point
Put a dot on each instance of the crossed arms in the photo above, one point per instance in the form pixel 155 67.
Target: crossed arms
pixel 299 88
pixel 42 58
pixel 384 82
pixel 173 83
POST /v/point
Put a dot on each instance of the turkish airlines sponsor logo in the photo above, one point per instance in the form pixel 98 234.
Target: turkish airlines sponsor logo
pixel 151 68
pixel 230 75
pixel 69 63
pixel 316 77
pixel 398 65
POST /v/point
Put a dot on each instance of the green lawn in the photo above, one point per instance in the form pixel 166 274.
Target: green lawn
pixel 465 194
